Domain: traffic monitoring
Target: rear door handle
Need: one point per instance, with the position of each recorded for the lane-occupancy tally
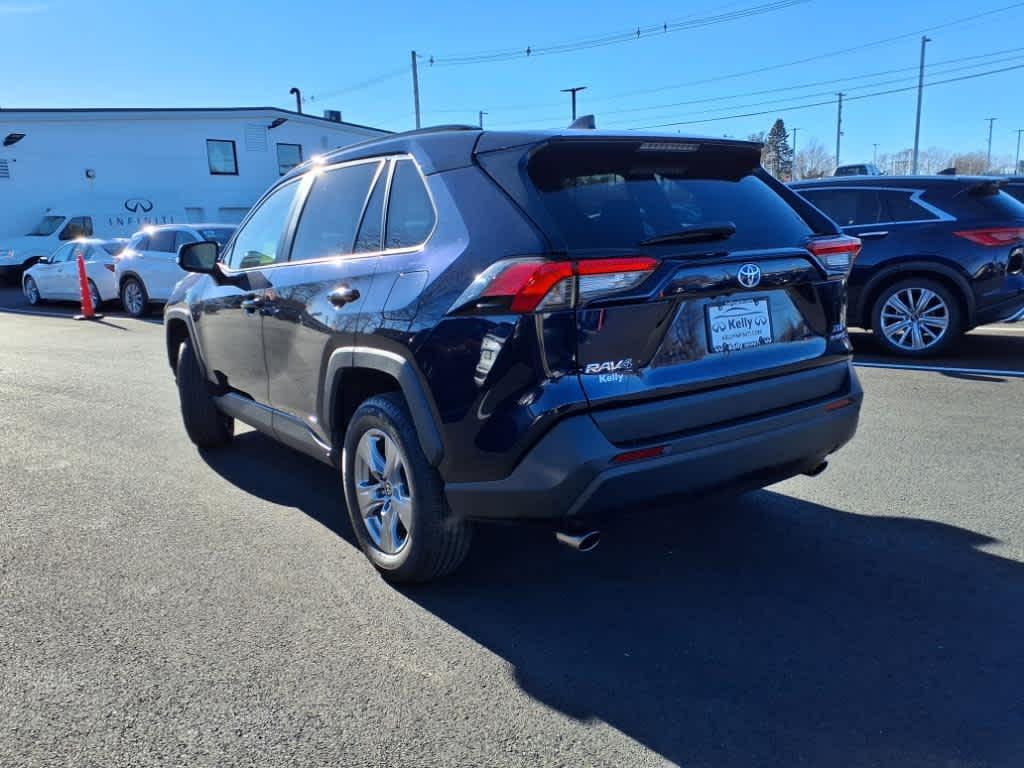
(873, 235)
(251, 303)
(343, 296)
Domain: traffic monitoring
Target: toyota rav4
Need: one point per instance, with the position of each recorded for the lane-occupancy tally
(482, 325)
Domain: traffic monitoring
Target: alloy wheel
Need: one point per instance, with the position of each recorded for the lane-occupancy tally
(383, 491)
(31, 291)
(915, 318)
(133, 297)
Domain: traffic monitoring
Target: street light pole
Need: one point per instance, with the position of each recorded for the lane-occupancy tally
(792, 166)
(920, 94)
(988, 158)
(415, 88)
(574, 91)
(481, 118)
(874, 156)
(1016, 165)
(839, 127)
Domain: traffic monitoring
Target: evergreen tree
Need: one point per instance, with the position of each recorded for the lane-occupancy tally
(778, 155)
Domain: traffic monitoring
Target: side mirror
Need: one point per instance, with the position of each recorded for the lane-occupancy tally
(199, 257)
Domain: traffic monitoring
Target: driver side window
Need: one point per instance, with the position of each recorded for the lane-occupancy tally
(258, 242)
(61, 254)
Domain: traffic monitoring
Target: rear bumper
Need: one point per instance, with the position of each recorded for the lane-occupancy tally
(1006, 309)
(571, 472)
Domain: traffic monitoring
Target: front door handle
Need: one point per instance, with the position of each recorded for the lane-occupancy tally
(873, 235)
(343, 296)
(251, 303)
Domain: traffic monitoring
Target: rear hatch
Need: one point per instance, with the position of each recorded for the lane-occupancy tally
(725, 290)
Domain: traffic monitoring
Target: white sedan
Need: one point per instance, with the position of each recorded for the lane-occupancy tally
(56, 277)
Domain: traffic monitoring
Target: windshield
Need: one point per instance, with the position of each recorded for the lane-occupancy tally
(220, 235)
(47, 226)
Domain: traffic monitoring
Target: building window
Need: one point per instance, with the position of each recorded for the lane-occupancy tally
(288, 156)
(222, 157)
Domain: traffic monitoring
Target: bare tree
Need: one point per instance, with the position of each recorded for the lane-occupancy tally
(970, 162)
(812, 161)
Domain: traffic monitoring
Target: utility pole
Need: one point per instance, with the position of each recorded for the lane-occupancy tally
(988, 159)
(480, 117)
(1016, 165)
(839, 127)
(874, 156)
(416, 88)
(792, 167)
(920, 94)
(573, 91)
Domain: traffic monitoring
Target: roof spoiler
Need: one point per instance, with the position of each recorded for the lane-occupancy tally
(586, 122)
(986, 188)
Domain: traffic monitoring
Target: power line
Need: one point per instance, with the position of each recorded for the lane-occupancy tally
(875, 84)
(832, 101)
(817, 57)
(359, 86)
(636, 33)
(992, 58)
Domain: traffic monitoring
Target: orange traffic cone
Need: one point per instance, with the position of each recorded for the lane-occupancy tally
(88, 310)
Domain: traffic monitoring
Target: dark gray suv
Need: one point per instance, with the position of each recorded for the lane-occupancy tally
(477, 325)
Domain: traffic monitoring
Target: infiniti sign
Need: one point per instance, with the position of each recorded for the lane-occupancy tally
(136, 204)
(749, 275)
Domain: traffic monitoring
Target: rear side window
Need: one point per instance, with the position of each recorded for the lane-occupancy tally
(897, 205)
(140, 243)
(162, 240)
(183, 238)
(617, 194)
(840, 205)
(370, 231)
(327, 226)
(410, 212)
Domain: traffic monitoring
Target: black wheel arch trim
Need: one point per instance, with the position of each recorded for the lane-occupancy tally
(124, 276)
(893, 271)
(404, 372)
(185, 316)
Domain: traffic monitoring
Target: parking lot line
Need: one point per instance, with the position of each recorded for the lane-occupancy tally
(944, 369)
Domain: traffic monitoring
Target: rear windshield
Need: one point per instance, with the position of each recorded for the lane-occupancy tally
(219, 235)
(615, 195)
(962, 202)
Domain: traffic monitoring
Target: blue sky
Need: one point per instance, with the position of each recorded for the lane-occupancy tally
(235, 53)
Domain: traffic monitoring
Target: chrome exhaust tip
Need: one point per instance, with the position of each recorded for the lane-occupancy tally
(582, 542)
(817, 470)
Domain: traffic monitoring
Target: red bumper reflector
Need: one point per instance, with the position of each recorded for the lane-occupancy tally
(837, 404)
(643, 453)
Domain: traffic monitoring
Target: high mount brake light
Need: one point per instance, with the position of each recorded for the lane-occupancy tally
(836, 254)
(993, 236)
(531, 284)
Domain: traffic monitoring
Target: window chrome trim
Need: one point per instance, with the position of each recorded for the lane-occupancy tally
(915, 197)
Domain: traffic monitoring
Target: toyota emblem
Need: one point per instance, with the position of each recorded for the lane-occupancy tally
(749, 275)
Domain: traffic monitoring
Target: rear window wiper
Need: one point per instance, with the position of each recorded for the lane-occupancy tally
(702, 234)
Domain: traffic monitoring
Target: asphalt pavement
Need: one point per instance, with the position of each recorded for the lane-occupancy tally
(159, 606)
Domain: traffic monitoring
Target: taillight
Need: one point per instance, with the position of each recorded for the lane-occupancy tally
(109, 267)
(992, 236)
(836, 254)
(534, 284)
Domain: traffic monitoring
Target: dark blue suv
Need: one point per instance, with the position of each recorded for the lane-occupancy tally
(474, 325)
(941, 255)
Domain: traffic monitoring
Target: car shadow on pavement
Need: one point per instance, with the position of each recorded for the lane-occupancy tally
(983, 348)
(766, 630)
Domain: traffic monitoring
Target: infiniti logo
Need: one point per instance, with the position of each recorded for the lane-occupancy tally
(136, 204)
(749, 275)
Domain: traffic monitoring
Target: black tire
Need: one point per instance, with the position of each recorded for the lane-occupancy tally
(953, 313)
(206, 426)
(94, 293)
(436, 543)
(33, 296)
(134, 308)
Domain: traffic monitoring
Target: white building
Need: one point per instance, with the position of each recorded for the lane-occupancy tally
(123, 168)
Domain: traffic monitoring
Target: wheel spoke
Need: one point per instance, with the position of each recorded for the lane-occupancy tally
(368, 496)
(370, 453)
(918, 340)
(924, 298)
(403, 509)
(392, 461)
(388, 528)
(899, 304)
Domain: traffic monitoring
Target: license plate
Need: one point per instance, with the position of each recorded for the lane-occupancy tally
(740, 324)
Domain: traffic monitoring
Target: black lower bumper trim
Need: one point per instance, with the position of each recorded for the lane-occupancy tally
(570, 472)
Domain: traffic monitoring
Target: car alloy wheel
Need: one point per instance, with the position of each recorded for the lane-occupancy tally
(94, 294)
(383, 491)
(31, 291)
(133, 298)
(915, 319)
